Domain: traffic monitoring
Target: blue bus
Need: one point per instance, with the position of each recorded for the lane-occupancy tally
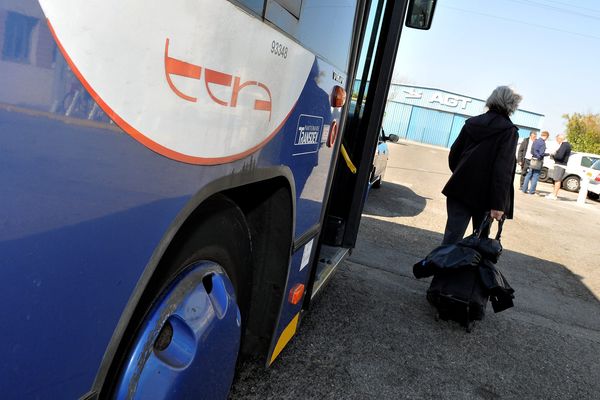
(178, 181)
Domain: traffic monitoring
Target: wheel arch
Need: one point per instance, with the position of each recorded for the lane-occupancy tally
(255, 194)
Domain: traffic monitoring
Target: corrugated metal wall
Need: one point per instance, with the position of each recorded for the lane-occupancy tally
(396, 119)
(429, 126)
(524, 132)
(527, 119)
(457, 124)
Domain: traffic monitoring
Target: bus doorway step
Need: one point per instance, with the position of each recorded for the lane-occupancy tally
(330, 258)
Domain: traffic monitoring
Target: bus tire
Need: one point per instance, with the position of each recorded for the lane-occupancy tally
(191, 332)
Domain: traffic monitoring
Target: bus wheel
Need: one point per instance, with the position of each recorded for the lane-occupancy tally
(188, 342)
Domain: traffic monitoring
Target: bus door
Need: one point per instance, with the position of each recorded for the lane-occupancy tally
(375, 54)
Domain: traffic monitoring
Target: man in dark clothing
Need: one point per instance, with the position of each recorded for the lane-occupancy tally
(561, 157)
(524, 154)
(483, 164)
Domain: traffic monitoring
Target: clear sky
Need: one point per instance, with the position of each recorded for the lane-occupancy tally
(548, 50)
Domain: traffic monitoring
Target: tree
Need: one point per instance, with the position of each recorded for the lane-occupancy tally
(583, 132)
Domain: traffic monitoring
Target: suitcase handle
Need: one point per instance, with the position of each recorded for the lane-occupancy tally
(487, 223)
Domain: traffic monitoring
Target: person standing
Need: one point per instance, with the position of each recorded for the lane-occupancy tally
(524, 155)
(538, 152)
(483, 164)
(561, 157)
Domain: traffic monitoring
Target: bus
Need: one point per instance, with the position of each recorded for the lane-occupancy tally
(178, 182)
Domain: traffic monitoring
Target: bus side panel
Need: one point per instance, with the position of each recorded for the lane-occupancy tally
(290, 311)
(311, 171)
(305, 144)
(84, 205)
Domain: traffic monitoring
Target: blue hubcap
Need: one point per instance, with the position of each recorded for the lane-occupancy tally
(189, 342)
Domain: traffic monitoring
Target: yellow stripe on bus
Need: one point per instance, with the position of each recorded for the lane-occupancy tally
(285, 337)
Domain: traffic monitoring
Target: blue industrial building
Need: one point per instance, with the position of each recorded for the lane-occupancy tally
(436, 116)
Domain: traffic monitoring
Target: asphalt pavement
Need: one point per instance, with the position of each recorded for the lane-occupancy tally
(372, 334)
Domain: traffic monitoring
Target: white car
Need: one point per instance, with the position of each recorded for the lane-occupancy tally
(578, 166)
(594, 181)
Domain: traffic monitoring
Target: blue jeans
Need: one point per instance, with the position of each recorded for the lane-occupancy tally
(533, 175)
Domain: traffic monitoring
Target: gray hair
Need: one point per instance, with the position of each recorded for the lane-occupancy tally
(504, 99)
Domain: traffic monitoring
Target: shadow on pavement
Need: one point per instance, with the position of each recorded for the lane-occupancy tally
(372, 334)
(393, 200)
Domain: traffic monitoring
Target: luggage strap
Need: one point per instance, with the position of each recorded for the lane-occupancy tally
(487, 223)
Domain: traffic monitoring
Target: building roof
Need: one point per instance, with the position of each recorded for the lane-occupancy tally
(443, 100)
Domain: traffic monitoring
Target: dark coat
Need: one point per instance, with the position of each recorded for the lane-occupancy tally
(483, 163)
(522, 151)
(563, 153)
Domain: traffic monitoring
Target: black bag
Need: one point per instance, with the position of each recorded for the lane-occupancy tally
(536, 164)
(467, 252)
(490, 249)
(459, 295)
(446, 256)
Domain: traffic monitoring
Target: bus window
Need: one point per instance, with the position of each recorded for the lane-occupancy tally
(293, 6)
(255, 5)
(366, 58)
(17, 37)
(324, 27)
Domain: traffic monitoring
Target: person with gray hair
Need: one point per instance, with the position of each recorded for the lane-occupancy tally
(504, 100)
(483, 164)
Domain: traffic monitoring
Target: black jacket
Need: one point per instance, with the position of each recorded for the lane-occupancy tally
(522, 151)
(563, 153)
(482, 161)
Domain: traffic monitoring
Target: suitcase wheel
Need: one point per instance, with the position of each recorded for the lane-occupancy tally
(469, 326)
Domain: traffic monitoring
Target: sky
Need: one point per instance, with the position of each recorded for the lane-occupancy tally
(547, 50)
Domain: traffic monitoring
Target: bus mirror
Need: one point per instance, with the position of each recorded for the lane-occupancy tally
(420, 14)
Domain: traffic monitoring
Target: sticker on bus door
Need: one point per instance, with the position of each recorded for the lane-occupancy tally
(194, 81)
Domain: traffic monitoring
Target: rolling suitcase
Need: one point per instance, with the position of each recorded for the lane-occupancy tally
(459, 295)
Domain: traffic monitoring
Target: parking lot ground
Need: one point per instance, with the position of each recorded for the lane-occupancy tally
(372, 334)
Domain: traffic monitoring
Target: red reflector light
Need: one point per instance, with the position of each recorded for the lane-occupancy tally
(338, 97)
(296, 293)
(597, 178)
(333, 131)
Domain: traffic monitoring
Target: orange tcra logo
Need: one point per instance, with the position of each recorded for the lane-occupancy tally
(174, 66)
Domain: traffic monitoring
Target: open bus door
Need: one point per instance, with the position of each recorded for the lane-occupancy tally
(374, 55)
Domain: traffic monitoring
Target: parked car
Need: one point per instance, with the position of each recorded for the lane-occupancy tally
(579, 164)
(381, 158)
(594, 181)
